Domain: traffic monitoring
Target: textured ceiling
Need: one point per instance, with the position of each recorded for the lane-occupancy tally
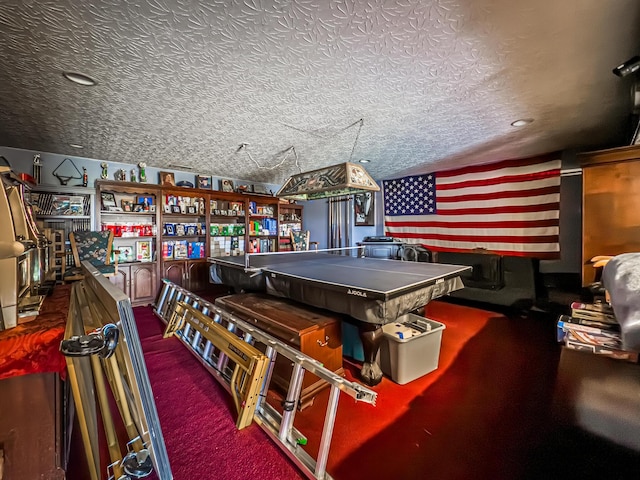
(436, 82)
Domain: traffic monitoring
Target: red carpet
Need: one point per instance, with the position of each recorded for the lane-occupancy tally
(480, 419)
(358, 422)
(198, 420)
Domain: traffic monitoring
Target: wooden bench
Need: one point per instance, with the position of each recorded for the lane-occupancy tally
(313, 331)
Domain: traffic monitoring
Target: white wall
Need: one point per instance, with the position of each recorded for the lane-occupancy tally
(316, 211)
(21, 161)
(316, 220)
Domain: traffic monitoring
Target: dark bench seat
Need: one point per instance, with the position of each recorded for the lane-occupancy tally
(496, 279)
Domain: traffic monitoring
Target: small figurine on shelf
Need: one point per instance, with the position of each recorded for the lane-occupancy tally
(143, 174)
(37, 168)
(133, 175)
(121, 175)
(104, 174)
(85, 177)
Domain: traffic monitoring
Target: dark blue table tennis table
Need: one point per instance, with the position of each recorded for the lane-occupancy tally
(371, 290)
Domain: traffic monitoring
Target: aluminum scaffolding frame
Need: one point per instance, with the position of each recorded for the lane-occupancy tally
(278, 426)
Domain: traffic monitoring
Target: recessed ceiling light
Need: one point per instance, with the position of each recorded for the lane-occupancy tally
(76, 145)
(364, 160)
(79, 78)
(522, 122)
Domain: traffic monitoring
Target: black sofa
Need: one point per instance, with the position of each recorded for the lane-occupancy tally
(495, 279)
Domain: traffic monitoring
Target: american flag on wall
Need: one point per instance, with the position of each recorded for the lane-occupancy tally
(510, 207)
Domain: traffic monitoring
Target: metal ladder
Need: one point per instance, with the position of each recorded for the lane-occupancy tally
(278, 426)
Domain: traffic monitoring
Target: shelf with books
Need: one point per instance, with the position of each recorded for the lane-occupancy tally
(130, 210)
(263, 244)
(184, 236)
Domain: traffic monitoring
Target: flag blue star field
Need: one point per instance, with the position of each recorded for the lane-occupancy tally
(510, 207)
(415, 195)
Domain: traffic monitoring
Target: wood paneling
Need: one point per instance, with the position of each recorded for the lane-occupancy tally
(30, 427)
(610, 205)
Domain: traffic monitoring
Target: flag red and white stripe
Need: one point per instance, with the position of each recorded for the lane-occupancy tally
(510, 207)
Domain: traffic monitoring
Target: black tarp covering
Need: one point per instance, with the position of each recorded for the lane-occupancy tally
(368, 310)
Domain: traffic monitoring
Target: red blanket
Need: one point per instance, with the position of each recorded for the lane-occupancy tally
(33, 347)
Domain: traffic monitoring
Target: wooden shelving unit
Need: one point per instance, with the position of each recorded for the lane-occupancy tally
(135, 235)
(206, 223)
(610, 204)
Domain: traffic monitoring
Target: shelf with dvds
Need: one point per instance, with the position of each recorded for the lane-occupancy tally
(130, 210)
(262, 225)
(227, 225)
(183, 237)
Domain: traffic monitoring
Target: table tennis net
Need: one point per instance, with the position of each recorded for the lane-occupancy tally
(260, 260)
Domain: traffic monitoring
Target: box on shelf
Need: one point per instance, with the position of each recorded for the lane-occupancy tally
(410, 348)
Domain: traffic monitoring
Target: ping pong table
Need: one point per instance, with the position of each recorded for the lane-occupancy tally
(370, 290)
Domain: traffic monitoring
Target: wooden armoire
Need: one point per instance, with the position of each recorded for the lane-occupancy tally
(610, 204)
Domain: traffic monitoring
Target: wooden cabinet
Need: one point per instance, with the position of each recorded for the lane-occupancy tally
(197, 275)
(142, 284)
(190, 274)
(314, 332)
(138, 281)
(174, 272)
(610, 204)
(130, 210)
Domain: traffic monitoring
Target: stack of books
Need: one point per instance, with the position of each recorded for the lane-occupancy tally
(593, 327)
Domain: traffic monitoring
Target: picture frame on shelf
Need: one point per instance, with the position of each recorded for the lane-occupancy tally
(175, 209)
(364, 209)
(144, 199)
(126, 206)
(204, 181)
(167, 179)
(170, 228)
(143, 251)
(60, 205)
(168, 208)
(139, 208)
(108, 200)
(226, 185)
(76, 205)
(192, 209)
(126, 254)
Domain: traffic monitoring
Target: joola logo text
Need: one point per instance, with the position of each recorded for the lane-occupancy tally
(356, 292)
